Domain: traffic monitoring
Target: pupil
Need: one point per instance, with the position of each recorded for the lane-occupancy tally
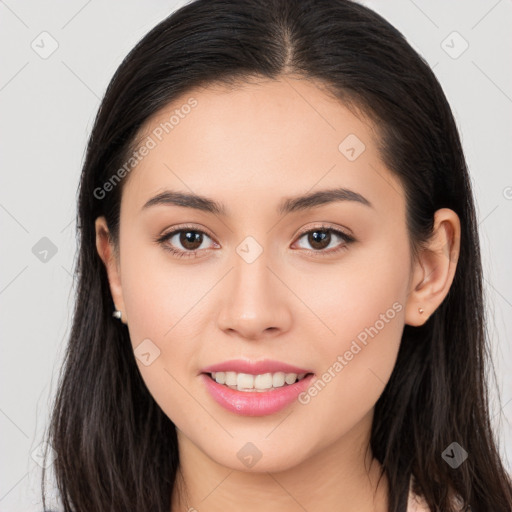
(190, 242)
(318, 239)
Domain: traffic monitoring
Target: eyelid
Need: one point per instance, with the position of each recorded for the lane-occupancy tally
(345, 231)
(184, 227)
(327, 227)
(338, 231)
(346, 240)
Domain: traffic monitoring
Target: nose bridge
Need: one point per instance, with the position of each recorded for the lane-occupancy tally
(253, 302)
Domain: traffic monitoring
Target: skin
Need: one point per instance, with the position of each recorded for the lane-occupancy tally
(249, 148)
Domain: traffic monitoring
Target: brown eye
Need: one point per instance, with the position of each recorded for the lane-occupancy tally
(184, 242)
(319, 239)
(190, 240)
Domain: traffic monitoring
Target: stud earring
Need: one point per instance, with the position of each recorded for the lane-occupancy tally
(420, 310)
(117, 314)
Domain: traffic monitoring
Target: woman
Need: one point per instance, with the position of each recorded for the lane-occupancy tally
(276, 209)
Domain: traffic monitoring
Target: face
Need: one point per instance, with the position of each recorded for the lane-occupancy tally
(320, 285)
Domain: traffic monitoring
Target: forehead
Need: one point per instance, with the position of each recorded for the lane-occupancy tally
(279, 137)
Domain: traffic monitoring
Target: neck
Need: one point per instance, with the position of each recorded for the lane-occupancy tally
(342, 476)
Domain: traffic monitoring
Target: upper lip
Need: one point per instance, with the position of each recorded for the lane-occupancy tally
(254, 367)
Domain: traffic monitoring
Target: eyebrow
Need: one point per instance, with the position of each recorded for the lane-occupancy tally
(288, 205)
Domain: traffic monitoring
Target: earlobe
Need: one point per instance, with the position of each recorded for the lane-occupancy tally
(105, 250)
(435, 269)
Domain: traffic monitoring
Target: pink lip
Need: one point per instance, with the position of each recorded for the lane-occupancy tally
(254, 403)
(254, 367)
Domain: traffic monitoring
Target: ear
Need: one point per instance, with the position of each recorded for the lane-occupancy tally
(105, 248)
(435, 268)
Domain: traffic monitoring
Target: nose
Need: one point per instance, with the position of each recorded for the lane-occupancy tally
(255, 301)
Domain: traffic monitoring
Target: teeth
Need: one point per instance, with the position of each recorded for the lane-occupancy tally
(278, 379)
(248, 382)
(220, 377)
(264, 381)
(230, 378)
(244, 380)
(290, 378)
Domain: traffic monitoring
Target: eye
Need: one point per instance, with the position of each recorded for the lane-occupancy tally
(320, 238)
(190, 238)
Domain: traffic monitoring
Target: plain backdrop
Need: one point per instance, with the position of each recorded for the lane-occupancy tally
(57, 59)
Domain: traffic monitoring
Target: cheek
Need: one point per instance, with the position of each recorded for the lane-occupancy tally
(354, 364)
(166, 317)
(365, 289)
(164, 339)
(362, 311)
(162, 299)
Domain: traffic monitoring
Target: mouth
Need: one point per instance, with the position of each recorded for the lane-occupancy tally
(255, 394)
(249, 383)
(255, 388)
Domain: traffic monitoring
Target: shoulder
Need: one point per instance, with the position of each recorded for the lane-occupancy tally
(416, 503)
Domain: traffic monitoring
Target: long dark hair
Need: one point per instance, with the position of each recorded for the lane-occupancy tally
(116, 449)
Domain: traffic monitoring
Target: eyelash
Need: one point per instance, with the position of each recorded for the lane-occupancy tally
(348, 239)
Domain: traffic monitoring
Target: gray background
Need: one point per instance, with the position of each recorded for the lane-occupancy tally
(48, 106)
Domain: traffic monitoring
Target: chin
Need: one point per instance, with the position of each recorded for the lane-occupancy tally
(258, 457)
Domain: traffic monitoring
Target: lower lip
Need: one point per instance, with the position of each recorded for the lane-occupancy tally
(255, 403)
